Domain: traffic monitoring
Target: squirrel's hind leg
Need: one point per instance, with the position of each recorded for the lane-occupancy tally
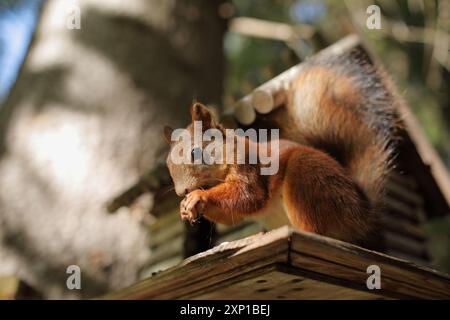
(321, 198)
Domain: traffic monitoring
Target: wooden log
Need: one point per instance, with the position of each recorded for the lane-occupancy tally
(403, 179)
(402, 226)
(262, 101)
(244, 112)
(406, 194)
(422, 216)
(272, 94)
(399, 208)
(406, 245)
(267, 98)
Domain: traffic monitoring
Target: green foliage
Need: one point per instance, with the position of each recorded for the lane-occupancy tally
(274, 10)
(251, 62)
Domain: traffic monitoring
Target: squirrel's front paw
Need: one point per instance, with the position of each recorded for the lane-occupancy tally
(193, 205)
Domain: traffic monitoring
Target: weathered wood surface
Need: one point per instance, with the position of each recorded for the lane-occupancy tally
(280, 282)
(288, 264)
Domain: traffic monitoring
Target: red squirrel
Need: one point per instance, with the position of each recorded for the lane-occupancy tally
(338, 126)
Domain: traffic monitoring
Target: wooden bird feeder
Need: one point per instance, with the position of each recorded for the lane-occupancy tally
(290, 264)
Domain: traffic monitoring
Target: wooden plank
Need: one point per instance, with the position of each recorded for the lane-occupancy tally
(404, 193)
(405, 273)
(221, 289)
(401, 209)
(224, 261)
(310, 256)
(406, 245)
(353, 277)
(275, 282)
(421, 215)
(406, 180)
(403, 227)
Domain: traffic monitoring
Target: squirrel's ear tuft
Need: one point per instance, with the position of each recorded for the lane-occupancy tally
(168, 134)
(201, 113)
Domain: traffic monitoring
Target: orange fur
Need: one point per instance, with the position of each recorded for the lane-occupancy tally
(333, 158)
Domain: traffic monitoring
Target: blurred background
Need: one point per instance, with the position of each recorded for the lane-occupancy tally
(82, 109)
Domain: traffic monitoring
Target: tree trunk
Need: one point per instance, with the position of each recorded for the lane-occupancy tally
(84, 120)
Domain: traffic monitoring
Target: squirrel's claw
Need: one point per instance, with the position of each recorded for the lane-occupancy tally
(192, 206)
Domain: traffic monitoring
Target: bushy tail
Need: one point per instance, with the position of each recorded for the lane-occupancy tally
(378, 106)
(346, 107)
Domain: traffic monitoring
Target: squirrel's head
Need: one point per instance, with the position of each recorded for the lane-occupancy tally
(189, 166)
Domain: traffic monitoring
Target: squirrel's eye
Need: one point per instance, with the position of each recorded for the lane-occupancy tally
(196, 154)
